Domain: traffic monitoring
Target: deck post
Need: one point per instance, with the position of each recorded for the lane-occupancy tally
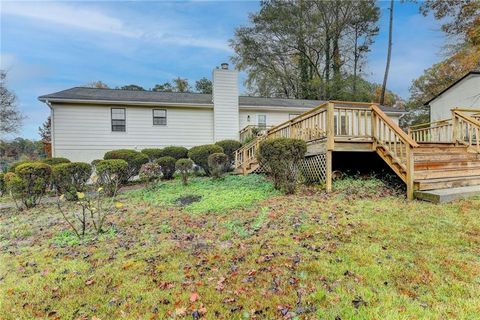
(454, 128)
(410, 172)
(330, 145)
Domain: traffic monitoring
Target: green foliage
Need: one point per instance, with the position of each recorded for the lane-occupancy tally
(55, 161)
(152, 153)
(204, 86)
(133, 158)
(14, 165)
(174, 152)
(70, 178)
(281, 156)
(150, 173)
(200, 154)
(2, 183)
(184, 166)
(217, 162)
(229, 147)
(29, 183)
(110, 174)
(95, 162)
(167, 166)
(218, 196)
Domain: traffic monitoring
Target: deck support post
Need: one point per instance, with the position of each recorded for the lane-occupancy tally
(330, 145)
(410, 172)
(454, 128)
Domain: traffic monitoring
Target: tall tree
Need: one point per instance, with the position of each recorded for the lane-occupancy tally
(204, 85)
(165, 87)
(181, 85)
(389, 54)
(10, 116)
(45, 131)
(97, 84)
(132, 87)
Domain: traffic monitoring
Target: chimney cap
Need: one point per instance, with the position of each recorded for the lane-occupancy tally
(224, 66)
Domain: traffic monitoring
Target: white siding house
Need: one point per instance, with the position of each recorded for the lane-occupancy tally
(464, 93)
(87, 122)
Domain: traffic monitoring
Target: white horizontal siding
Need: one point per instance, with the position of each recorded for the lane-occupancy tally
(225, 101)
(83, 133)
(273, 117)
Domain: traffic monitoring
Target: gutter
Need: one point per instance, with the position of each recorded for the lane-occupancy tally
(134, 103)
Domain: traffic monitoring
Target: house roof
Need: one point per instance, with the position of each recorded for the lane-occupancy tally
(451, 85)
(83, 94)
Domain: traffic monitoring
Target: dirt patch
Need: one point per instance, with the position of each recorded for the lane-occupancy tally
(186, 200)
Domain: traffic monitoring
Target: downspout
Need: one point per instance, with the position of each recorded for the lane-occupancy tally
(52, 127)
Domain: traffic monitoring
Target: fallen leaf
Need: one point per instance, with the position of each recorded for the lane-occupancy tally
(194, 297)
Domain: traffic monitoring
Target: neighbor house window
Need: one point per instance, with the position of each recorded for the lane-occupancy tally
(159, 117)
(262, 121)
(118, 119)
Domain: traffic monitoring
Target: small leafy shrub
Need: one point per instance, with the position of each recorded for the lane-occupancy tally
(134, 159)
(229, 147)
(184, 166)
(14, 165)
(110, 174)
(55, 161)
(29, 183)
(167, 166)
(150, 173)
(217, 162)
(174, 152)
(70, 178)
(2, 183)
(95, 162)
(200, 154)
(281, 156)
(89, 212)
(152, 153)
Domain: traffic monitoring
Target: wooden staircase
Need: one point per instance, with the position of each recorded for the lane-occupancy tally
(438, 155)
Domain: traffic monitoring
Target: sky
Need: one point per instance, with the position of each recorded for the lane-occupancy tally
(52, 46)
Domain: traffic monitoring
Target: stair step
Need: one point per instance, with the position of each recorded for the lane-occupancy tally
(435, 144)
(461, 149)
(447, 195)
(445, 156)
(444, 183)
(434, 165)
(446, 173)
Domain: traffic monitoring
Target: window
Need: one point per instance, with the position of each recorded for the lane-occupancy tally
(159, 117)
(118, 119)
(262, 121)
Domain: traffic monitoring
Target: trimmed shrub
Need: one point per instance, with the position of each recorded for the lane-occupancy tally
(229, 147)
(133, 158)
(174, 152)
(14, 165)
(70, 178)
(111, 173)
(184, 166)
(152, 153)
(149, 173)
(217, 162)
(2, 183)
(167, 166)
(281, 156)
(29, 183)
(95, 162)
(200, 154)
(55, 161)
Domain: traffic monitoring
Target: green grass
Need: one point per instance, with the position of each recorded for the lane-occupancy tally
(219, 196)
(362, 252)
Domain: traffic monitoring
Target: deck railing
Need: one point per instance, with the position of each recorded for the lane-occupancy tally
(252, 131)
(466, 128)
(437, 131)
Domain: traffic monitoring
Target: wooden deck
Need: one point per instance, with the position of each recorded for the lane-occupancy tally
(437, 155)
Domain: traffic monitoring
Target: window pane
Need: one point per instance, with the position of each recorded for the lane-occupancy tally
(118, 114)
(159, 117)
(262, 120)
(159, 113)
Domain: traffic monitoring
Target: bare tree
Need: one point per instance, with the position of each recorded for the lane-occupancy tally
(384, 86)
(10, 117)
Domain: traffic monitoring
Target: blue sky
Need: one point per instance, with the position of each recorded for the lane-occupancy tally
(51, 46)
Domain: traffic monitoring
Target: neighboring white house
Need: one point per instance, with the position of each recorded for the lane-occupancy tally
(463, 93)
(87, 122)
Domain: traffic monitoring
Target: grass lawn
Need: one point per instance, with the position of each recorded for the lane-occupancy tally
(244, 251)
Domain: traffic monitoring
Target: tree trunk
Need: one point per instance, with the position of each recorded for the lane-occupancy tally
(384, 87)
(355, 66)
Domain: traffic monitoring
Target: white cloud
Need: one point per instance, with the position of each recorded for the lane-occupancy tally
(92, 19)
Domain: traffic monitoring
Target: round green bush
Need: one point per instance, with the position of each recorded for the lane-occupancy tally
(229, 147)
(149, 173)
(153, 153)
(55, 161)
(167, 166)
(70, 178)
(111, 174)
(184, 166)
(281, 156)
(200, 154)
(29, 183)
(174, 152)
(14, 165)
(217, 162)
(133, 158)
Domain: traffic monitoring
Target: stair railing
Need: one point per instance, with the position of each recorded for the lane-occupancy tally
(396, 144)
(436, 131)
(466, 129)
